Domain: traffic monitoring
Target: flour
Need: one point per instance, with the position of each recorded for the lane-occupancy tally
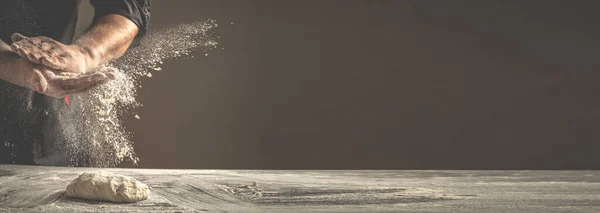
(107, 187)
(98, 137)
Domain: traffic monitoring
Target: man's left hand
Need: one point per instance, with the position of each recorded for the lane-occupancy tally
(62, 85)
(51, 53)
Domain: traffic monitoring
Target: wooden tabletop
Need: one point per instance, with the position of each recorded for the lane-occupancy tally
(41, 189)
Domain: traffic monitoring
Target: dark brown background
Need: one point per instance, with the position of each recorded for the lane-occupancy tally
(348, 84)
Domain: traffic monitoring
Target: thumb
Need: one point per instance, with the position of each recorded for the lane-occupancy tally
(38, 82)
(110, 72)
(17, 37)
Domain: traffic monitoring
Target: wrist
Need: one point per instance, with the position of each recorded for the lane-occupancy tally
(21, 72)
(91, 57)
(9, 63)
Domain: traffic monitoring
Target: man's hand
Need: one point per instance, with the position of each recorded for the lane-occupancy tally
(46, 81)
(61, 85)
(21, 72)
(51, 53)
(107, 39)
(61, 69)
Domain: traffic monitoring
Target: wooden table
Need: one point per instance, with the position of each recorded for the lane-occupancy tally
(41, 189)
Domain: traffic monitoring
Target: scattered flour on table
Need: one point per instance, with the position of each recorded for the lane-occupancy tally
(100, 139)
(107, 187)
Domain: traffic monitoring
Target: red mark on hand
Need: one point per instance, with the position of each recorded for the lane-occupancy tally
(67, 101)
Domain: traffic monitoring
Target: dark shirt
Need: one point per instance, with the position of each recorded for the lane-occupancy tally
(29, 125)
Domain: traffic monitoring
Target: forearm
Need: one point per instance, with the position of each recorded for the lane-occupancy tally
(18, 71)
(7, 58)
(108, 38)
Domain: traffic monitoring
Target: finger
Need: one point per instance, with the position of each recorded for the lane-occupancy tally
(23, 52)
(25, 49)
(52, 75)
(81, 83)
(37, 43)
(35, 40)
(110, 72)
(49, 74)
(41, 55)
(17, 37)
(15, 46)
(51, 62)
(39, 83)
(61, 63)
(34, 57)
(45, 46)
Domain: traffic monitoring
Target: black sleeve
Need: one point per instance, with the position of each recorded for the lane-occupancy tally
(138, 11)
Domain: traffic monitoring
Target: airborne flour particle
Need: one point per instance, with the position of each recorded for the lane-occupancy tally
(100, 139)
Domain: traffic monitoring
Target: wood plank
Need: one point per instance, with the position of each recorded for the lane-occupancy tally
(41, 189)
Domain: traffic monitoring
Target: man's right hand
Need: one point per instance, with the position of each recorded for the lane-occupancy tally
(22, 72)
(54, 54)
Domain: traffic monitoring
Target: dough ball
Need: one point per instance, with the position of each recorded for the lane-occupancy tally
(107, 187)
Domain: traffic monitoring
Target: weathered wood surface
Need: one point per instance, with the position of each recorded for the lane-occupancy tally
(41, 189)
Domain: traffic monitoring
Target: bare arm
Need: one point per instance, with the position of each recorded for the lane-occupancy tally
(12, 70)
(107, 39)
(20, 71)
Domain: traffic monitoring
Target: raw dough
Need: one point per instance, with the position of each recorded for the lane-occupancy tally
(107, 187)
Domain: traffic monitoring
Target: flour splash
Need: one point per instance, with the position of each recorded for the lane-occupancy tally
(100, 139)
